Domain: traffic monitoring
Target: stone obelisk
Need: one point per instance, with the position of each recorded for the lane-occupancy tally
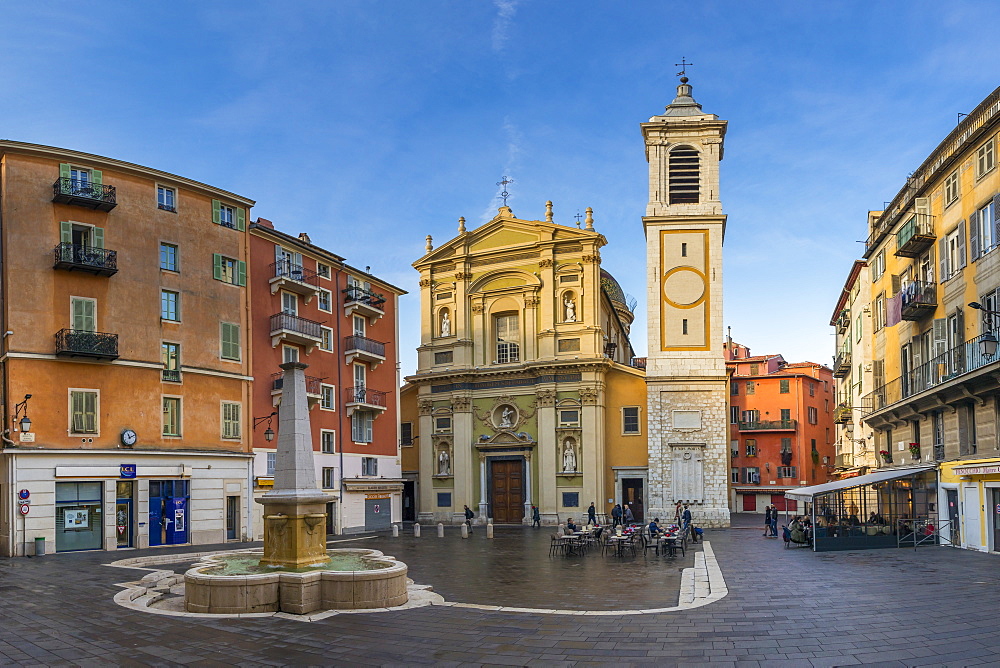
(295, 509)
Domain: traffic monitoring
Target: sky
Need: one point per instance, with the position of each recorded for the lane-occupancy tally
(370, 125)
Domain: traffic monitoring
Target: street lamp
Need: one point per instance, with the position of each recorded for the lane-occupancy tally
(268, 433)
(988, 342)
(25, 423)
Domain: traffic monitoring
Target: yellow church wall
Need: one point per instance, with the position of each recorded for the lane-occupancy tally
(624, 387)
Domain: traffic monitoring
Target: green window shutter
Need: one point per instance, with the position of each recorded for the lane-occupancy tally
(216, 212)
(96, 178)
(64, 170)
(242, 275)
(83, 315)
(98, 237)
(230, 341)
(66, 232)
(217, 266)
(241, 219)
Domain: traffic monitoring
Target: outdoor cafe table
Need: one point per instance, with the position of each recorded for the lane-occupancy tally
(620, 543)
(572, 540)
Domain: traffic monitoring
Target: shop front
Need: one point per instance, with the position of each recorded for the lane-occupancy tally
(371, 505)
(970, 490)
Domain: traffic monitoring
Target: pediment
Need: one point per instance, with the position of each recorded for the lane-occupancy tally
(503, 238)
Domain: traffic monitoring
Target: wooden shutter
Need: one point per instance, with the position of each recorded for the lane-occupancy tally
(930, 265)
(97, 237)
(896, 284)
(230, 341)
(216, 212)
(943, 258)
(939, 337)
(974, 235)
(996, 218)
(96, 179)
(241, 219)
(64, 170)
(66, 232)
(241, 273)
(217, 266)
(84, 316)
(961, 246)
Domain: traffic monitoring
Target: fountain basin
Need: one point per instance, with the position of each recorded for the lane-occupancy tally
(381, 583)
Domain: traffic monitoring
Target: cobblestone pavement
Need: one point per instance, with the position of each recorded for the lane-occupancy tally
(933, 606)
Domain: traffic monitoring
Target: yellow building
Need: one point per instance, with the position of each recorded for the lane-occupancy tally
(525, 392)
(934, 268)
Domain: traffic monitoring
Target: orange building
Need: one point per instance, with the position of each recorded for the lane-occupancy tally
(125, 316)
(781, 427)
(309, 306)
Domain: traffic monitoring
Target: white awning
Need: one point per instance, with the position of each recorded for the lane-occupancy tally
(807, 493)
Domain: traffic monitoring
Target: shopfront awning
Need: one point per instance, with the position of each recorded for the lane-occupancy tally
(808, 493)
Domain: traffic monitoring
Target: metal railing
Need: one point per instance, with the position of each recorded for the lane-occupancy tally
(356, 293)
(962, 359)
(917, 295)
(364, 395)
(844, 461)
(67, 189)
(638, 363)
(767, 425)
(842, 363)
(294, 323)
(86, 344)
(292, 271)
(915, 235)
(86, 256)
(364, 344)
(314, 385)
(171, 375)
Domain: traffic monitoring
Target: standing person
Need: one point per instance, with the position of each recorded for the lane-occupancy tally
(677, 514)
(629, 517)
(767, 521)
(536, 518)
(774, 521)
(592, 514)
(616, 516)
(468, 518)
(686, 517)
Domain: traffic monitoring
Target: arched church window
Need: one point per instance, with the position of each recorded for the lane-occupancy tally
(684, 175)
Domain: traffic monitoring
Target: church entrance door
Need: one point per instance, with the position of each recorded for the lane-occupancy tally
(507, 490)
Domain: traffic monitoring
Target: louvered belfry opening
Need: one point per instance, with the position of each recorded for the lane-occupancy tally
(684, 176)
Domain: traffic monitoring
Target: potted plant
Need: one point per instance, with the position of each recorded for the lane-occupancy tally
(886, 456)
(915, 450)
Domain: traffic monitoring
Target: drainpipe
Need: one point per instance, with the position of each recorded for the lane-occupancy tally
(339, 525)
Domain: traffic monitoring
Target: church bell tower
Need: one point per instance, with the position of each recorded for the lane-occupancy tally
(685, 370)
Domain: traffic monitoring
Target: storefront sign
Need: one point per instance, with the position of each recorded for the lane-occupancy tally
(378, 496)
(127, 471)
(976, 470)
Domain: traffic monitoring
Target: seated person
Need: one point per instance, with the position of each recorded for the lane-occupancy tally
(570, 526)
(654, 527)
(853, 520)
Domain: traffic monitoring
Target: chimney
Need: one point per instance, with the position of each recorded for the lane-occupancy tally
(304, 237)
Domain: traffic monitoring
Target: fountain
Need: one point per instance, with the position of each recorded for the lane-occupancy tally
(294, 572)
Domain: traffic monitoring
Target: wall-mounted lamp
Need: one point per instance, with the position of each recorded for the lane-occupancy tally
(25, 423)
(268, 433)
(988, 341)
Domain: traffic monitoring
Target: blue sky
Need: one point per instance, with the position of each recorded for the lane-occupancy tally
(372, 124)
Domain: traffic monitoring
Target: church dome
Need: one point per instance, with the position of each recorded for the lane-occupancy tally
(612, 288)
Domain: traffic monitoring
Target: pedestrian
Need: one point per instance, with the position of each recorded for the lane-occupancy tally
(616, 515)
(629, 517)
(536, 518)
(592, 514)
(774, 521)
(677, 514)
(686, 516)
(767, 521)
(468, 518)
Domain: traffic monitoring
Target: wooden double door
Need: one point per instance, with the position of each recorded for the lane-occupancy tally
(507, 490)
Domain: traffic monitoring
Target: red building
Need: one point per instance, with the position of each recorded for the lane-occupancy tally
(781, 427)
(309, 306)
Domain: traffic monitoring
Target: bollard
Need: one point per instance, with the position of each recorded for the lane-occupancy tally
(465, 531)
(489, 531)
(440, 530)
(395, 531)
(416, 530)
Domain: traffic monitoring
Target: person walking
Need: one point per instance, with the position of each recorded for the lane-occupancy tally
(468, 518)
(686, 517)
(767, 521)
(774, 521)
(592, 514)
(629, 516)
(536, 518)
(616, 515)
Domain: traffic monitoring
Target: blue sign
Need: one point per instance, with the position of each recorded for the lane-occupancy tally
(127, 471)
(23, 494)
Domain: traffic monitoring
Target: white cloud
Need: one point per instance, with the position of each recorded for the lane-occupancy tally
(501, 25)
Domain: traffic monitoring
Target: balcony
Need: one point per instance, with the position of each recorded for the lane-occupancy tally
(918, 300)
(77, 343)
(915, 236)
(843, 321)
(638, 363)
(289, 328)
(362, 398)
(295, 278)
(842, 414)
(171, 375)
(768, 425)
(314, 389)
(361, 301)
(97, 261)
(359, 348)
(84, 193)
(842, 364)
(844, 461)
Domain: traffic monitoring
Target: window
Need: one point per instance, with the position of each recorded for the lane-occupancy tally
(165, 198)
(327, 400)
(967, 429)
(786, 445)
(953, 252)
(951, 188)
(812, 389)
(982, 226)
(569, 418)
(734, 388)
(985, 158)
(361, 426)
(329, 477)
(786, 414)
(323, 270)
(783, 386)
(630, 419)
(83, 412)
(878, 265)
(751, 447)
(937, 418)
(231, 419)
(406, 433)
(734, 447)
(369, 466)
(752, 415)
(360, 325)
(734, 476)
(83, 312)
(171, 416)
(786, 471)
(229, 339)
(442, 425)
(228, 216)
(751, 387)
(508, 334)
(751, 475)
(168, 257)
(326, 339)
(813, 415)
(289, 303)
(327, 441)
(685, 178)
(171, 357)
(228, 270)
(325, 300)
(754, 369)
(272, 458)
(734, 414)
(289, 354)
(879, 312)
(571, 499)
(170, 305)
(857, 329)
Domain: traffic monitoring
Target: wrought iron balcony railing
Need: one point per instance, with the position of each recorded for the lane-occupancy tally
(313, 384)
(364, 344)
(842, 414)
(77, 343)
(842, 364)
(638, 363)
(918, 300)
(294, 272)
(293, 323)
(84, 193)
(915, 236)
(356, 293)
(364, 395)
(171, 375)
(768, 425)
(74, 257)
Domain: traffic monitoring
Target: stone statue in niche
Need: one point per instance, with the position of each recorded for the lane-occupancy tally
(445, 323)
(506, 418)
(444, 463)
(570, 304)
(569, 455)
